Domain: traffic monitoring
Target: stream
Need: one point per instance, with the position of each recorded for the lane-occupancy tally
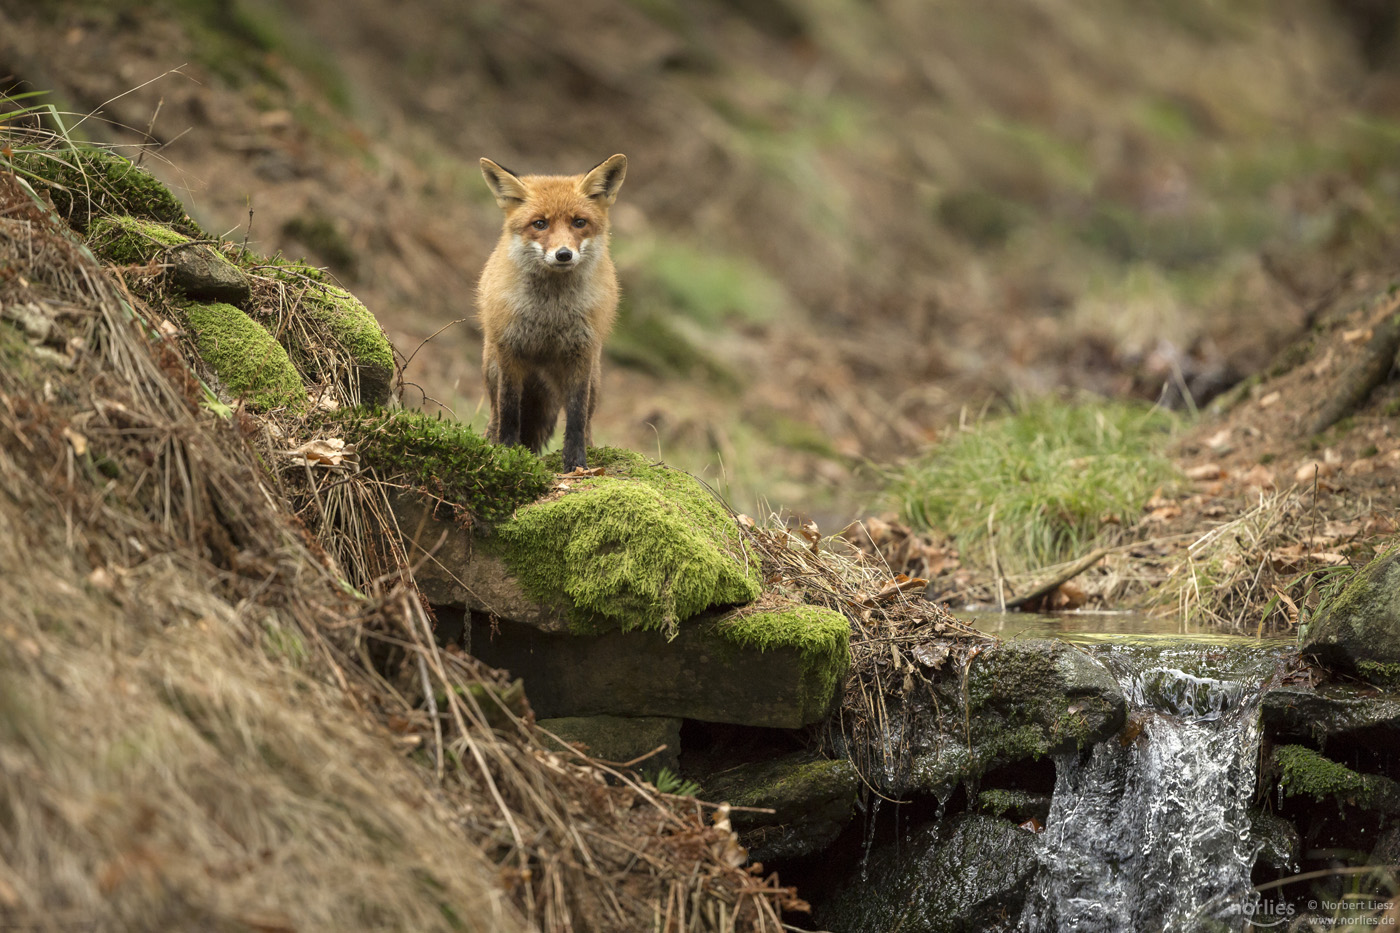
(1154, 833)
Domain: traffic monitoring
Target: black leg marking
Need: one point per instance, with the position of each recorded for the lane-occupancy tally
(508, 412)
(576, 426)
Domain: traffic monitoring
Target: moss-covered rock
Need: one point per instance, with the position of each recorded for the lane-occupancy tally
(821, 638)
(447, 459)
(966, 874)
(1304, 771)
(1350, 712)
(1360, 631)
(812, 800)
(249, 363)
(197, 270)
(86, 183)
(1276, 839)
(364, 358)
(641, 547)
(1018, 805)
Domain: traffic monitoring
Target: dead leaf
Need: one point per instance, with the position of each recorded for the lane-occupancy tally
(1163, 513)
(331, 452)
(1270, 399)
(931, 656)
(1313, 469)
(585, 471)
(745, 521)
(78, 442)
(1219, 442)
(1258, 476)
(1204, 472)
(1357, 335)
(1068, 595)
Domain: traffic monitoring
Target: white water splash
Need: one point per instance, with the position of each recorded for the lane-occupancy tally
(1154, 835)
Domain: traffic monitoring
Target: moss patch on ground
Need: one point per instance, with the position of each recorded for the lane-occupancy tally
(641, 547)
(448, 459)
(87, 182)
(338, 319)
(1304, 771)
(126, 240)
(821, 637)
(248, 360)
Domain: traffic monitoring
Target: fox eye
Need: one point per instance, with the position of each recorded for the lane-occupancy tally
(540, 224)
(580, 222)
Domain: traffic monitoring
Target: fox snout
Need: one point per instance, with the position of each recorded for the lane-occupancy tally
(562, 257)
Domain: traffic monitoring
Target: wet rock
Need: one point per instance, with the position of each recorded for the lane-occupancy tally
(1304, 771)
(620, 739)
(967, 873)
(812, 799)
(1277, 840)
(204, 275)
(1023, 700)
(1338, 711)
(1360, 631)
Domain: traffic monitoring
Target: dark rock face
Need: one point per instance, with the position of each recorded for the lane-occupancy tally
(204, 275)
(964, 874)
(1339, 711)
(1360, 632)
(696, 675)
(621, 739)
(812, 799)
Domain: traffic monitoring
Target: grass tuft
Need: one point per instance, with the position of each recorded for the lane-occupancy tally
(1036, 487)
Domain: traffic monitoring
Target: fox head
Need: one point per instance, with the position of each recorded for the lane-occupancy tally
(556, 223)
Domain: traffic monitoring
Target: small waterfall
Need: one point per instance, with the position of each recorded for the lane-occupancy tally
(1153, 833)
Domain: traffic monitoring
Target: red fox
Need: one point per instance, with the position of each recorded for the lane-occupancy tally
(546, 301)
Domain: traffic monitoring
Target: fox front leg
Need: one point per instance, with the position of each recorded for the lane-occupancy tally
(508, 392)
(576, 412)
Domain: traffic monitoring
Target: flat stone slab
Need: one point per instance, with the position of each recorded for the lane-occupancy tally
(812, 798)
(698, 675)
(1306, 713)
(621, 739)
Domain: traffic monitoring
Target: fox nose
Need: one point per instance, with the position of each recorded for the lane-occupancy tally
(563, 254)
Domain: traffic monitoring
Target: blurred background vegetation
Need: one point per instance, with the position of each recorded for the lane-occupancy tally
(845, 223)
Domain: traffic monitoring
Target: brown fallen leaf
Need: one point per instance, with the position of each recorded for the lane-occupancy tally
(1068, 595)
(931, 656)
(902, 583)
(1204, 472)
(330, 452)
(585, 471)
(1258, 476)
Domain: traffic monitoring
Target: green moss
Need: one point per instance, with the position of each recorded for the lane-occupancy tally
(127, 240)
(642, 547)
(250, 363)
(448, 458)
(1304, 771)
(342, 321)
(821, 637)
(1018, 707)
(1383, 673)
(998, 801)
(86, 183)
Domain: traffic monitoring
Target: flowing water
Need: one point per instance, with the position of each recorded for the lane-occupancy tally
(1153, 833)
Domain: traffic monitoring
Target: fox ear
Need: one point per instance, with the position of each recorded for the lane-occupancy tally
(504, 184)
(604, 179)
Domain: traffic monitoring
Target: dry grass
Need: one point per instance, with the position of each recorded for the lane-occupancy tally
(203, 726)
(897, 636)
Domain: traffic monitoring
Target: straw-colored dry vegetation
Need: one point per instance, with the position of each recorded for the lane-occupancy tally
(210, 721)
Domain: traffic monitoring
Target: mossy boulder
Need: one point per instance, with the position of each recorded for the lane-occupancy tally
(197, 270)
(345, 345)
(1360, 631)
(86, 183)
(249, 363)
(812, 800)
(641, 547)
(464, 475)
(969, 873)
(1304, 771)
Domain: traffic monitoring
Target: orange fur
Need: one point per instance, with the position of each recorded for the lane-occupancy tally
(546, 301)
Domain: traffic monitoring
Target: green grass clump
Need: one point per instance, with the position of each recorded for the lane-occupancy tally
(1042, 479)
(821, 637)
(641, 547)
(448, 458)
(248, 360)
(87, 182)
